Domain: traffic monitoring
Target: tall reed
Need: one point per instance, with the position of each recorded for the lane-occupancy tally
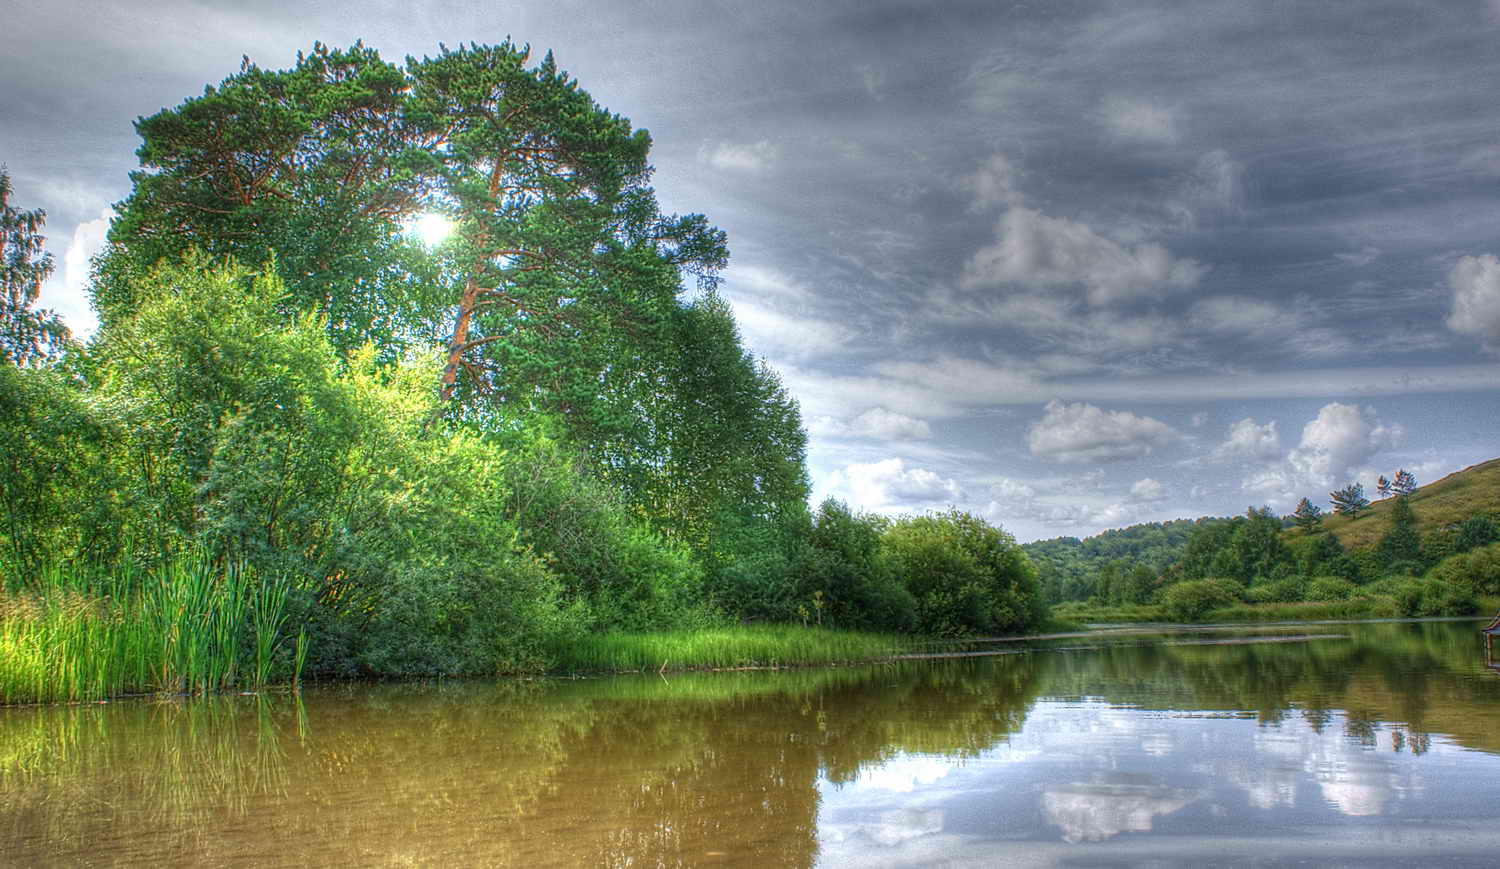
(71, 633)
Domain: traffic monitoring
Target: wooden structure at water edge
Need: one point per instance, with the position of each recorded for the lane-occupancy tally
(1489, 641)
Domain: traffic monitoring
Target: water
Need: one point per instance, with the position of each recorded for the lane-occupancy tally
(1333, 745)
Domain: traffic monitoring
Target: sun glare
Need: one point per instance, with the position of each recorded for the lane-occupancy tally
(430, 229)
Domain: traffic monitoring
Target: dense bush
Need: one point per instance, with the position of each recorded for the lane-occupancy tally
(1276, 591)
(966, 576)
(846, 578)
(1192, 600)
(1417, 598)
(614, 569)
(1329, 588)
(1477, 570)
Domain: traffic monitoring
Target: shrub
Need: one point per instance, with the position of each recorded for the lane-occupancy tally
(1329, 588)
(1477, 570)
(1194, 599)
(966, 576)
(1277, 591)
(848, 577)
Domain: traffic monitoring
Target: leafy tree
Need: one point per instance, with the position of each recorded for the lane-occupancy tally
(1401, 543)
(1350, 501)
(558, 293)
(60, 479)
(967, 576)
(319, 163)
(262, 445)
(1403, 484)
(1383, 487)
(27, 335)
(851, 577)
(1308, 516)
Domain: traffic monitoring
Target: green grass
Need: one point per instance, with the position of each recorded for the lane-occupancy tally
(69, 634)
(1449, 501)
(721, 648)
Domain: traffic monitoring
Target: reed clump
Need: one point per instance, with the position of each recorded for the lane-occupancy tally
(189, 625)
(722, 648)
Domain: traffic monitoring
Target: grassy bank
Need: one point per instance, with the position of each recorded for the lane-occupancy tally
(69, 634)
(718, 648)
(1374, 607)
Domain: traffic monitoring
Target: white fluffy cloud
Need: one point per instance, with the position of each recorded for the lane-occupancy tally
(1033, 248)
(877, 423)
(1339, 439)
(1475, 281)
(752, 157)
(1139, 120)
(1248, 440)
(1334, 447)
(994, 183)
(889, 483)
(1084, 433)
(65, 292)
(1147, 489)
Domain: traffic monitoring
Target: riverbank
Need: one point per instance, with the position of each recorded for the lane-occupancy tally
(1357, 609)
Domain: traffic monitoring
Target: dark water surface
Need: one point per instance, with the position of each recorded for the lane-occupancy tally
(1332, 745)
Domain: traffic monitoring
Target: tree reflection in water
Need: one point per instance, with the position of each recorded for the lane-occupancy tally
(1068, 747)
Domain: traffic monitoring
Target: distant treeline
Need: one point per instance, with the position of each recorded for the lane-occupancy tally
(1190, 566)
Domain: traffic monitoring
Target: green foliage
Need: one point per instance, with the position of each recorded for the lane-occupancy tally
(844, 565)
(1476, 531)
(1350, 501)
(1069, 568)
(1329, 588)
(27, 335)
(1191, 600)
(613, 566)
(1309, 517)
(1401, 543)
(188, 625)
(1276, 591)
(61, 491)
(725, 647)
(1416, 598)
(967, 577)
(1478, 570)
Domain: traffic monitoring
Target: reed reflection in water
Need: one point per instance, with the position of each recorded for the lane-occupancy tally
(1376, 744)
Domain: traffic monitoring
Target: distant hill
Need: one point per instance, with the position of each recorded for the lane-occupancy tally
(1069, 568)
(1448, 501)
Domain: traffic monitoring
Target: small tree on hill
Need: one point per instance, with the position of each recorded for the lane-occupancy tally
(1308, 516)
(1383, 487)
(1350, 501)
(1401, 543)
(1404, 484)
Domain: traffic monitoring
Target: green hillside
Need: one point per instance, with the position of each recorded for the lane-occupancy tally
(1445, 503)
(1131, 564)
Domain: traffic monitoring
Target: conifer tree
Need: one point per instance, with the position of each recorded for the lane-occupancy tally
(1383, 487)
(1309, 516)
(1350, 501)
(1404, 483)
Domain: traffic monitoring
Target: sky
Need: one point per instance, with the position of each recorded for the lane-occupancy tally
(1066, 265)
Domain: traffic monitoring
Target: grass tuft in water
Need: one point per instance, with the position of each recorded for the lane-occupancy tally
(719, 648)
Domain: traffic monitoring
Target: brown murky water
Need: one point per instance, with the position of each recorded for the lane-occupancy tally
(1344, 745)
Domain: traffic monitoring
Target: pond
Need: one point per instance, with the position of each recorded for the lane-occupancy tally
(1328, 745)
